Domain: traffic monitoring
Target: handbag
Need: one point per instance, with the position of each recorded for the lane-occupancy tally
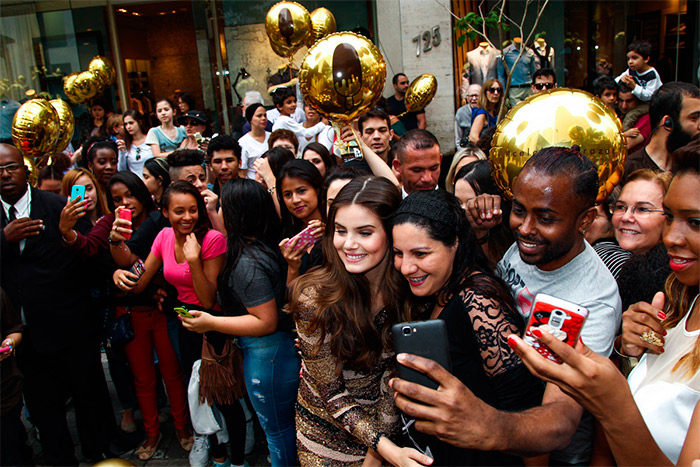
(121, 332)
(221, 375)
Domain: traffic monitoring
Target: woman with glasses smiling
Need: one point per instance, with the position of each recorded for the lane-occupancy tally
(638, 215)
(133, 150)
(485, 114)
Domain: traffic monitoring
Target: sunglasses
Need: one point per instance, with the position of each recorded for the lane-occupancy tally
(138, 153)
(495, 90)
(192, 123)
(541, 86)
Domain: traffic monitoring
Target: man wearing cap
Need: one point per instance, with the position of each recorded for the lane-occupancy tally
(195, 124)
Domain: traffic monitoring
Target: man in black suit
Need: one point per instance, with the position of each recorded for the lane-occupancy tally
(60, 353)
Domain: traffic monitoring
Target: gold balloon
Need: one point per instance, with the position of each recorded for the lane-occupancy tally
(35, 128)
(33, 174)
(87, 85)
(66, 124)
(322, 24)
(288, 25)
(103, 68)
(420, 92)
(115, 462)
(559, 117)
(342, 76)
(69, 87)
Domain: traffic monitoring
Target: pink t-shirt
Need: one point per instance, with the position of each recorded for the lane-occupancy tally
(178, 274)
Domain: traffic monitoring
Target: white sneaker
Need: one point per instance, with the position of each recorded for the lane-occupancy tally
(199, 455)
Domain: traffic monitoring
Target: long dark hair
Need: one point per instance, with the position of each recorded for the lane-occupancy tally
(303, 170)
(251, 224)
(277, 158)
(159, 168)
(343, 300)
(478, 175)
(203, 224)
(441, 216)
(137, 188)
(328, 160)
(140, 120)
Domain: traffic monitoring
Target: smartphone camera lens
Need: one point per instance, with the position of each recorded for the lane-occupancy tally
(406, 330)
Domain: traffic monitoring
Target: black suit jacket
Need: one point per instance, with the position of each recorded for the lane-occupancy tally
(43, 280)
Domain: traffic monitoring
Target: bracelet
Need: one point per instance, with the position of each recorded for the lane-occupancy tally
(113, 242)
(485, 238)
(270, 190)
(75, 238)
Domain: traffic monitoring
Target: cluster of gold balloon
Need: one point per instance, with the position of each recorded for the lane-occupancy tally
(342, 75)
(42, 127)
(559, 117)
(82, 86)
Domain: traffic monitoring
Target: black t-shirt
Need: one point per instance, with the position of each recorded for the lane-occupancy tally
(259, 276)
(477, 330)
(397, 107)
(639, 160)
(141, 241)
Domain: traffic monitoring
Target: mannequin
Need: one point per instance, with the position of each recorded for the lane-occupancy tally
(521, 79)
(482, 63)
(544, 53)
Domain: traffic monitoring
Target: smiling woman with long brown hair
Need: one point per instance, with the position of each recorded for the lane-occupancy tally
(344, 311)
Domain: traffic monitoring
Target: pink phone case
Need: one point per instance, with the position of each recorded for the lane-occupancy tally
(558, 317)
(305, 239)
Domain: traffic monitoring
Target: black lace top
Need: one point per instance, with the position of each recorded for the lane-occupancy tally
(478, 328)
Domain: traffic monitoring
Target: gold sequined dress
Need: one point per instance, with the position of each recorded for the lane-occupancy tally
(339, 417)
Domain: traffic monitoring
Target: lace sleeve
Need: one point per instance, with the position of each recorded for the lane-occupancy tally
(492, 324)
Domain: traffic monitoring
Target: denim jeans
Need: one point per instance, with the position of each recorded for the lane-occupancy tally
(271, 370)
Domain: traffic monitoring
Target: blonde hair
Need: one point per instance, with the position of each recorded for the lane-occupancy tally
(69, 180)
(483, 101)
(662, 179)
(469, 151)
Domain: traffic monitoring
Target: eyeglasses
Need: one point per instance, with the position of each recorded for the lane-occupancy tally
(11, 168)
(619, 209)
(541, 86)
(472, 96)
(495, 90)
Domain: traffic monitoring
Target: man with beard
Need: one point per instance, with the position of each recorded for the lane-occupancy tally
(553, 206)
(674, 112)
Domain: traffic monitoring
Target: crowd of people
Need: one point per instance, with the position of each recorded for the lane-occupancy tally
(263, 273)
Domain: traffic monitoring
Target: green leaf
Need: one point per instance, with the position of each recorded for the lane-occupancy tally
(460, 40)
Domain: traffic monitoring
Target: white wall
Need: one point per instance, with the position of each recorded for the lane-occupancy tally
(398, 22)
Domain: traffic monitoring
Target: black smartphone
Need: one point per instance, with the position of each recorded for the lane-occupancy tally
(426, 339)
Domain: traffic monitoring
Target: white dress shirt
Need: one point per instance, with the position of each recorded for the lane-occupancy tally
(23, 206)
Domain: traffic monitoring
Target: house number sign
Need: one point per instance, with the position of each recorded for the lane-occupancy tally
(427, 40)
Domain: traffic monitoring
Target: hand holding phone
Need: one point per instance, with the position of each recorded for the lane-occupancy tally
(5, 349)
(125, 214)
(138, 268)
(182, 311)
(77, 191)
(423, 338)
(562, 319)
(304, 239)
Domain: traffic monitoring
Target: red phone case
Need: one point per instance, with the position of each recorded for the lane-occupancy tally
(125, 214)
(566, 318)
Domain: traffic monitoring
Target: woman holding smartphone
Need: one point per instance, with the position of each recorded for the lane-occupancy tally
(252, 292)
(451, 279)
(299, 189)
(344, 311)
(191, 254)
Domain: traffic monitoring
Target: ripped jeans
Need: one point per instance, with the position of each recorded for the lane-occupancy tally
(271, 370)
